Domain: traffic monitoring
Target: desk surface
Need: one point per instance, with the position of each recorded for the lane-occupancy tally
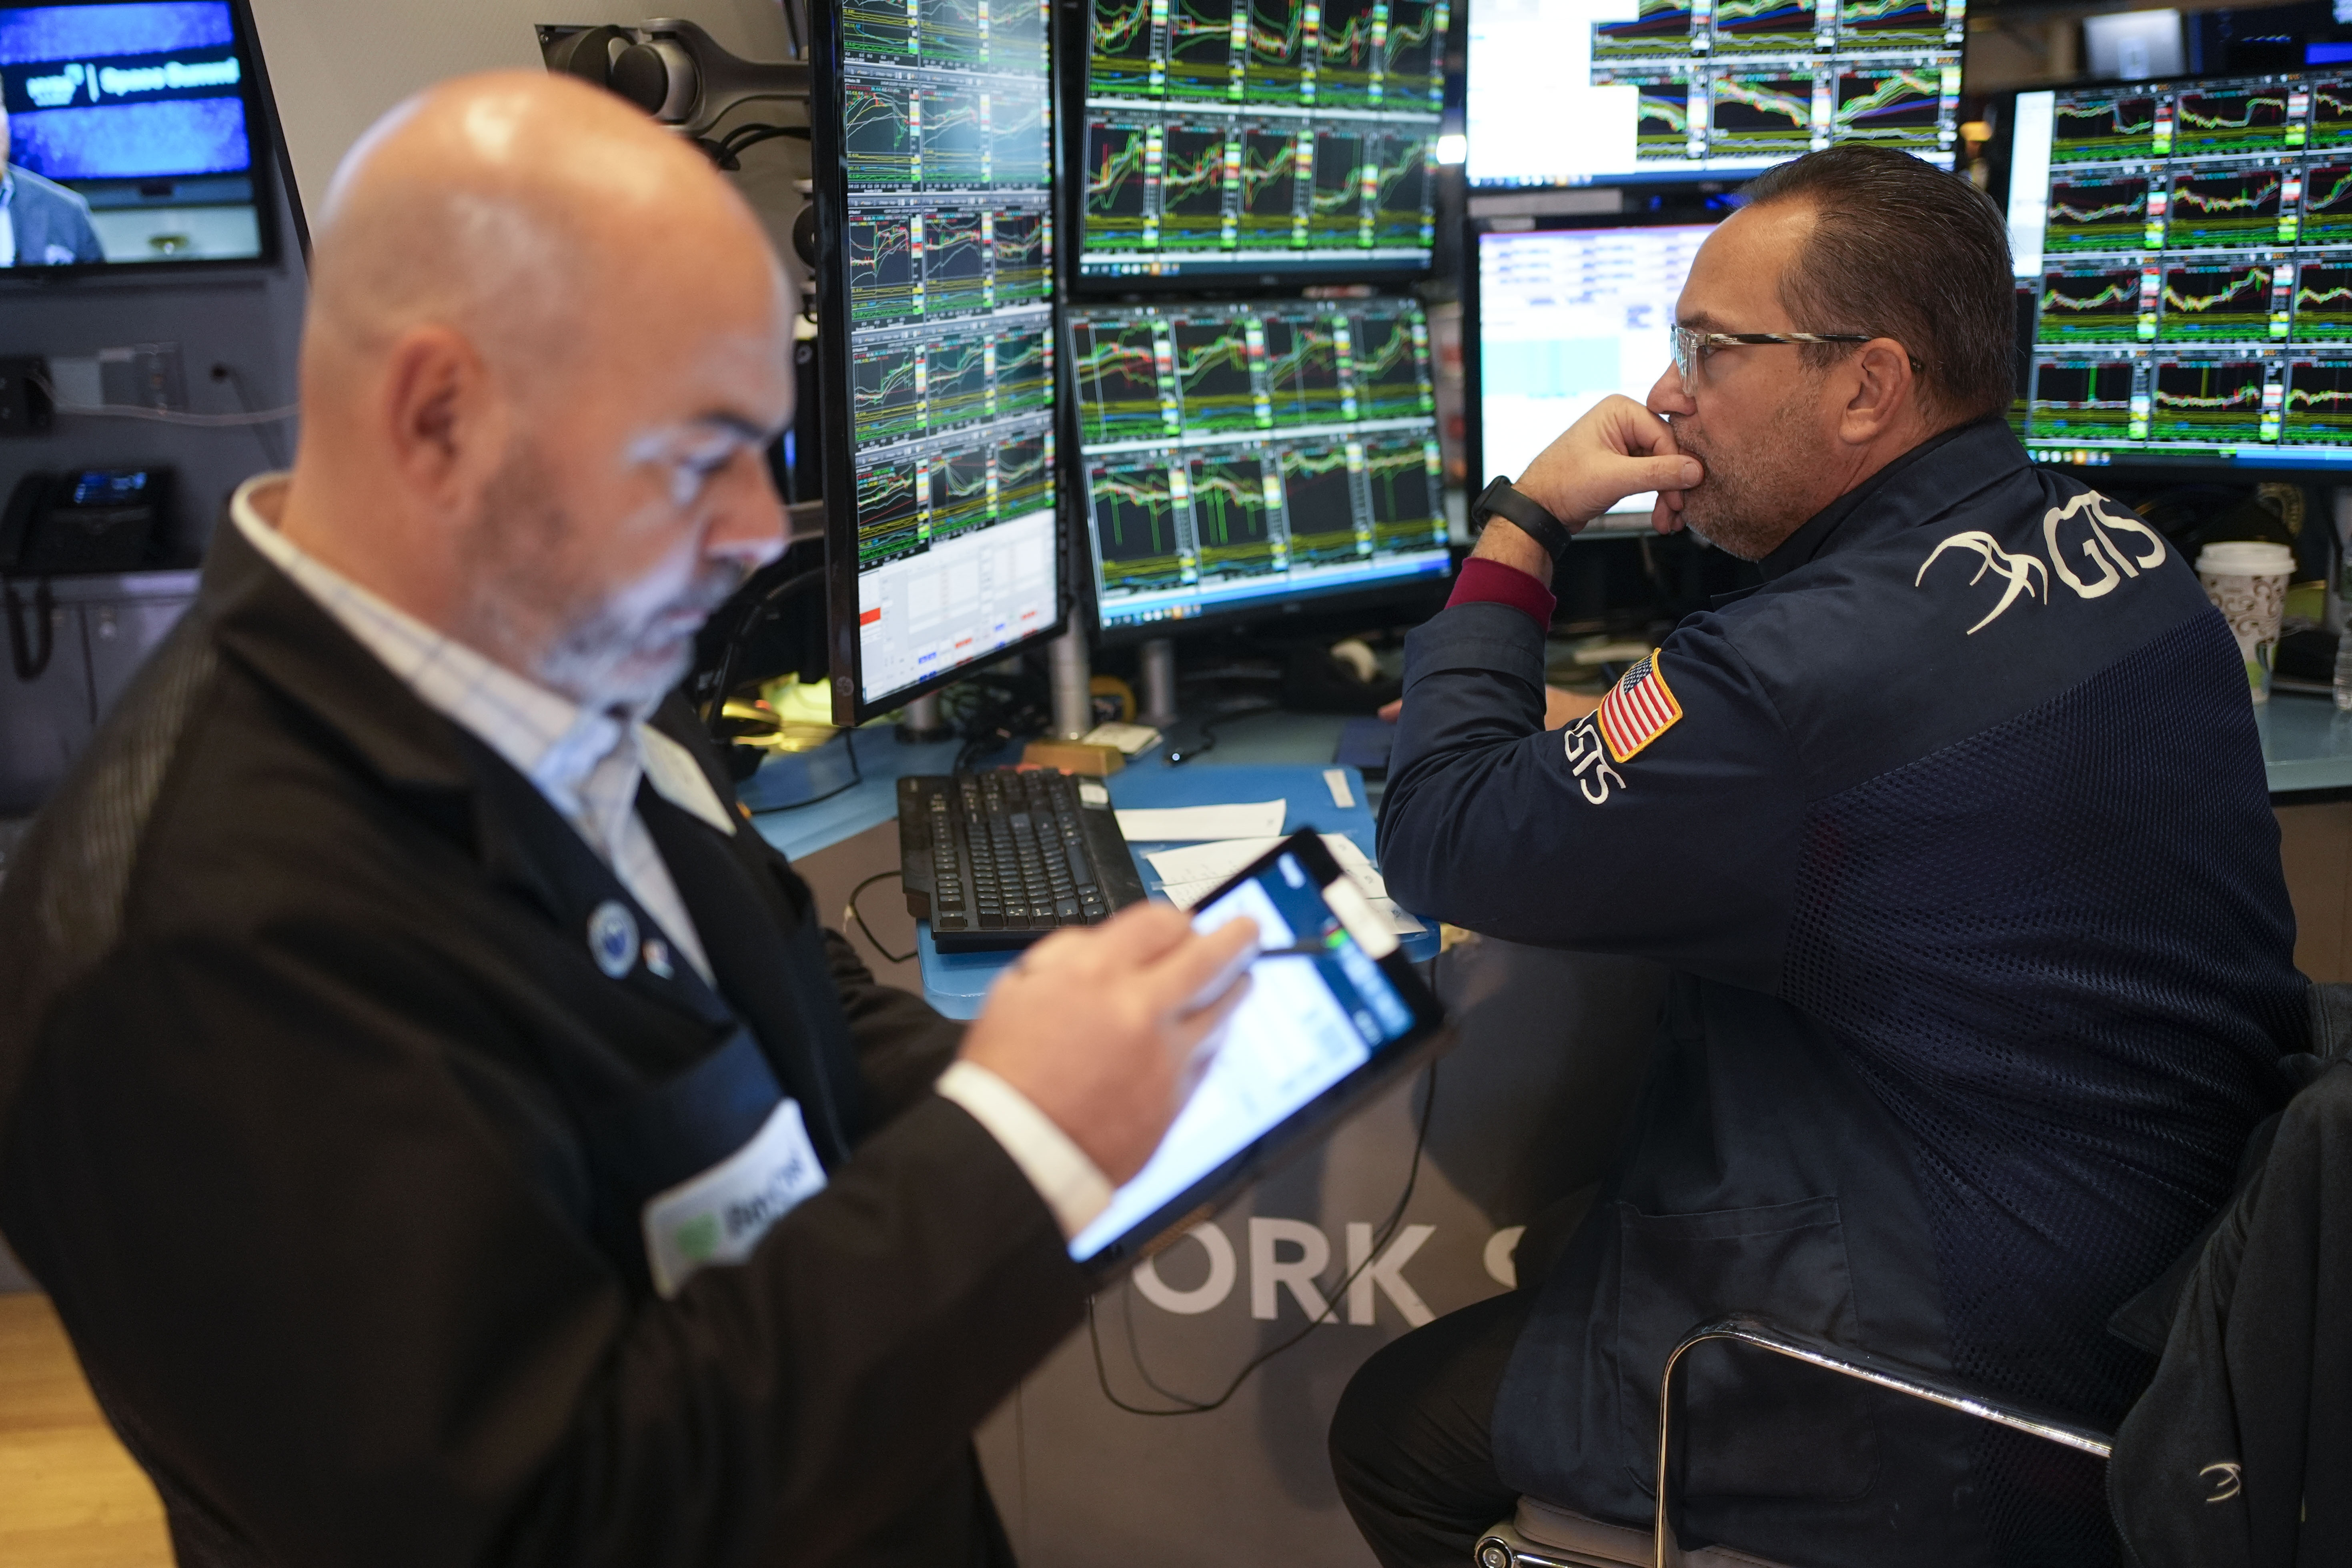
(883, 760)
(957, 983)
(2307, 744)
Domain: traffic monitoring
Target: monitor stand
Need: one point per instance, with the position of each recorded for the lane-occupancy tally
(919, 720)
(1073, 679)
(1159, 660)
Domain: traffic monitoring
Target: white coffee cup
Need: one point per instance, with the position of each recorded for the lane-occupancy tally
(2247, 581)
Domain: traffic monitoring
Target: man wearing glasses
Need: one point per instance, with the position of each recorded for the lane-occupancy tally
(1957, 834)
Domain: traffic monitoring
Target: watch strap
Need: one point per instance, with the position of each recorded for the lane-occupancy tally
(1504, 500)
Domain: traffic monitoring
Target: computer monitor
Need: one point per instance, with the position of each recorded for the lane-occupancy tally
(1561, 318)
(1597, 92)
(1256, 141)
(2185, 248)
(133, 136)
(933, 183)
(1245, 457)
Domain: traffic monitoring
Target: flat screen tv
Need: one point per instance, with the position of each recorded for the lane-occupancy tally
(133, 136)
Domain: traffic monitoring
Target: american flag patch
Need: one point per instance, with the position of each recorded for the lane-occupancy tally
(1638, 709)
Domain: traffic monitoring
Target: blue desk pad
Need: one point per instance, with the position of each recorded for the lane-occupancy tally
(957, 983)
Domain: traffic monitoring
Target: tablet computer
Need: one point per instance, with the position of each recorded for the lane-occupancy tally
(1335, 1019)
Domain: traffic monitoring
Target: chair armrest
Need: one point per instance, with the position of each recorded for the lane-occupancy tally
(1866, 1366)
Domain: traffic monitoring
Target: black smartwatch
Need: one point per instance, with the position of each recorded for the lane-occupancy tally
(1502, 499)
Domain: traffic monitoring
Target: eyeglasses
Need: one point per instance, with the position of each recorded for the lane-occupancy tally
(1691, 345)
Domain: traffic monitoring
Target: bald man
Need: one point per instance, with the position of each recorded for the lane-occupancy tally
(446, 1130)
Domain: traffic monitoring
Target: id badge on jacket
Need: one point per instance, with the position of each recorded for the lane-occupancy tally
(719, 1215)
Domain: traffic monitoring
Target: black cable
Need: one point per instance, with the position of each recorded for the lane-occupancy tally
(992, 710)
(261, 430)
(852, 912)
(753, 135)
(1381, 1239)
(1175, 755)
(857, 777)
(747, 621)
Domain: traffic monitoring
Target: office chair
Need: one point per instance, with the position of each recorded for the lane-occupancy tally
(1539, 1535)
(1542, 1536)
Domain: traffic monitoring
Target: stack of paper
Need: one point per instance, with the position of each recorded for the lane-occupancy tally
(1188, 876)
(1177, 825)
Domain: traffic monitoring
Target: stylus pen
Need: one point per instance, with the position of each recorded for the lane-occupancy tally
(1314, 949)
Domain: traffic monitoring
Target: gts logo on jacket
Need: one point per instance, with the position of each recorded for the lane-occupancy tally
(2025, 573)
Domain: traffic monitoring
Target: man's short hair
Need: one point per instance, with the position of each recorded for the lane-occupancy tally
(1902, 250)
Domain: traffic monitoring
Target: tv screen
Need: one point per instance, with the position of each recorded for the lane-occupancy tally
(128, 136)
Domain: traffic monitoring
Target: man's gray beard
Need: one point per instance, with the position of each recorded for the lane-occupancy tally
(1748, 506)
(604, 654)
(597, 658)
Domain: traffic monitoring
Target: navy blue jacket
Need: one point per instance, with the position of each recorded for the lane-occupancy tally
(1961, 846)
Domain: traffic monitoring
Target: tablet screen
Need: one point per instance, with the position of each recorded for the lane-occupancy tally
(1307, 1022)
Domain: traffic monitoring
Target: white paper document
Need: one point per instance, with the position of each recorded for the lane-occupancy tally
(1256, 819)
(1191, 875)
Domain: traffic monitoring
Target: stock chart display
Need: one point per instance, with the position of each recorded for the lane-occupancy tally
(2186, 250)
(1668, 89)
(1239, 451)
(948, 247)
(1259, 136)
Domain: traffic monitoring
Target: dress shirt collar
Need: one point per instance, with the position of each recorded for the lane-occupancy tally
(547, 737)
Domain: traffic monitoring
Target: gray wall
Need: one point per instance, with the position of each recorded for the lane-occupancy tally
(337, 65)
(246, 317)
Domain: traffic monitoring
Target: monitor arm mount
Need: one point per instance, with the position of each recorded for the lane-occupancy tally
(678, 73)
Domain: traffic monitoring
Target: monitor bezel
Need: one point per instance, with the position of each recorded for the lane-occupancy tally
(1074, 19)
(1344, 601)
(265, 151)
(829, 197)
(1473, 399)
(2143, 465)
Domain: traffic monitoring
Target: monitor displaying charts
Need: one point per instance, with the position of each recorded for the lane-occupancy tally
(1241, 454)
(1579, 93)
(937, 172)
(1256, 138)
(1565, 317)
(2185, 250)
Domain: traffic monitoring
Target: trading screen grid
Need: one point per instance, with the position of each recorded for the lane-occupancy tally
(2185, 253)
(1260, 135)
(1235, 451)
(1700, 89)
(947, 128)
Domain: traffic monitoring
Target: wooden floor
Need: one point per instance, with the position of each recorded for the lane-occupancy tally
(69, 1496)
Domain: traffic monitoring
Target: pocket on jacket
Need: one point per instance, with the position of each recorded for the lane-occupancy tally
(1756, 1424)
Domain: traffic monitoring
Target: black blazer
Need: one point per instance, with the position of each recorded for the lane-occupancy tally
(326, 1131)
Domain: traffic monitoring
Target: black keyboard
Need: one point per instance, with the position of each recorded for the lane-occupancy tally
(998, 859)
